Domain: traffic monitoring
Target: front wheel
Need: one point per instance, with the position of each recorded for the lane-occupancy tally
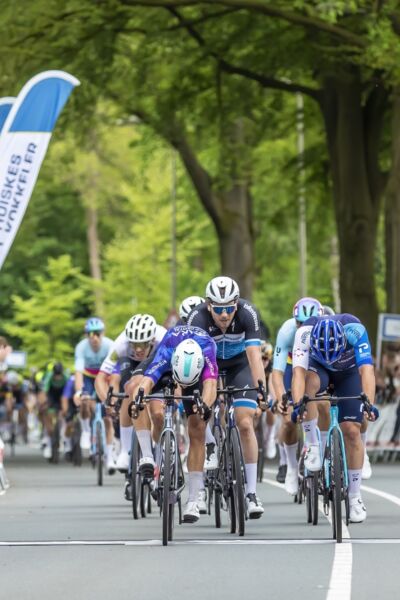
(99, 453)
(336, 486)
(238, 478)
(166, 487)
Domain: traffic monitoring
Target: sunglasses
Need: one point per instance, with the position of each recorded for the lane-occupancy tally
(95, 333)
(220, 309)
(137, 345)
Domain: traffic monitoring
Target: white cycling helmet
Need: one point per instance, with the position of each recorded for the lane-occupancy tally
(222, 290)
(187, 362)
(141, 328)
(188, 304)
(12, 378)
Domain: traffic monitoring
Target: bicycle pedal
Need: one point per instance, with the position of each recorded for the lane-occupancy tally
(147, 471)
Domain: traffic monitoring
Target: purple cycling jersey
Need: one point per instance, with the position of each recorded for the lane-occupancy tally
(161, 363)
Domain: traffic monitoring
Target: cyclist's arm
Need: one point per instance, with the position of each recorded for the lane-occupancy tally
(209, 393)
(277, 388)
(368, 383)
(145, 382)
(101, 385)
(256, 365)
(300, 357)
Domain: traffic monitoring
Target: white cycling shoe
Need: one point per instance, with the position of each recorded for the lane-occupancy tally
(211, 461)
(191, 513)
(292, 482)
(47, 451)
(85, 441)
(254, 506)
(123, 461)
(111, 466)
(366, 470)
(202, 502)
(358, 512)
(146, 467)
(312, 458)
(270, 448)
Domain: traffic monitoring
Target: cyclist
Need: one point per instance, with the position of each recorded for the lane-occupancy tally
(335, 350)
(139, 339)
(234, 324)
(211, 462)
(189, 355)
(89, 355)
(281, 380)
(13, 391)
(51, 386)
(186, 307)
(267, 351)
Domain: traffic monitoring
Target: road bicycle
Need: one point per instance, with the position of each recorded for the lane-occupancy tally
(333, 480)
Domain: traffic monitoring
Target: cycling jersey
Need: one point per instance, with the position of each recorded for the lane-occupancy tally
(357, 351)
(243, 331)
(52, 381)
(122, 348)
(87, 361)
(284, 345)
(161, 363)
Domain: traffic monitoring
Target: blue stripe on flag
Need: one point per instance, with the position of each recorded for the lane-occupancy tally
(4, 110)
(36, 113)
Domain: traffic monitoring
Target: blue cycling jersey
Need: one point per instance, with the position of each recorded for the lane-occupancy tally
(357, 351)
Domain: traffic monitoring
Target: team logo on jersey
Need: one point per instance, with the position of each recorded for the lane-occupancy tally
(297, 353)
(210, 366)
(305, 337)
(277, 350)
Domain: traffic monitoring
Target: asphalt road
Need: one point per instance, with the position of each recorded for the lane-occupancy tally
(61, 536)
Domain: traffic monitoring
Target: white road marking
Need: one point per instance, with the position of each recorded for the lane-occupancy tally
(340, 580)
(226, 542)
(384, 495)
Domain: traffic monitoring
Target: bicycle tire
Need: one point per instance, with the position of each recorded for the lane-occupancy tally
(312, 498)
(227, 486)
(99, 454)
(217, 488)
(336, 486)
(166, 486)
(55, 443)
(133, 476)
(238, 481)
(76, 444)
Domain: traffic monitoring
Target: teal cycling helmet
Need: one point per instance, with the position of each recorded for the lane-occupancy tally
(94, 324)
(306, 308)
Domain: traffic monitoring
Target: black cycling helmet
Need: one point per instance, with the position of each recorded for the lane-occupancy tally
(58, 368)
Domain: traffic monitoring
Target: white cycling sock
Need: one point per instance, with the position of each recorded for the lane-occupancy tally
(282, 455)
(67, 444)
(196, 484)
(144, 437)
(251, 476)
(310, 431)
(291, 454)
(269, 432)
(210, 439)
(109, 451)
(85, 424)
(324, 437)
(354, 482)
(126, 438)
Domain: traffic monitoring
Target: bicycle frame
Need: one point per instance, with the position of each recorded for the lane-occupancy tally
(334, 424)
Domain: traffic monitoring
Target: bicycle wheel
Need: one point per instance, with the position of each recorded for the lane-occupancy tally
(217, 488)
(134, 477)
(55, 443)
(336, 486)
(166, 486)
(238, 481)
(76, 444)
(312, 498)
(99, 453)
(226, 482)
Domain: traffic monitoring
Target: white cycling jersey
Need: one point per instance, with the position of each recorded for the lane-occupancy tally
(121, 348)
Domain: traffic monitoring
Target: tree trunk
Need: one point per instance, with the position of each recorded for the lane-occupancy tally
(392, 216)
(94, 256)
(230, 211)
(353, 138)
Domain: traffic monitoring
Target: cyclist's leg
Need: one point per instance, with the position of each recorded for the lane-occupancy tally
(289, 437)
(195, 463)
(348, 383)
(317, 380)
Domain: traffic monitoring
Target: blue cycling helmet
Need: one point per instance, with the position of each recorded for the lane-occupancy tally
(306, 308)
(94, 324)
(328, 340)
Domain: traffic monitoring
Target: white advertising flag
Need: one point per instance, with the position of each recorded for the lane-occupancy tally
(24, 139)
(5, 107)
